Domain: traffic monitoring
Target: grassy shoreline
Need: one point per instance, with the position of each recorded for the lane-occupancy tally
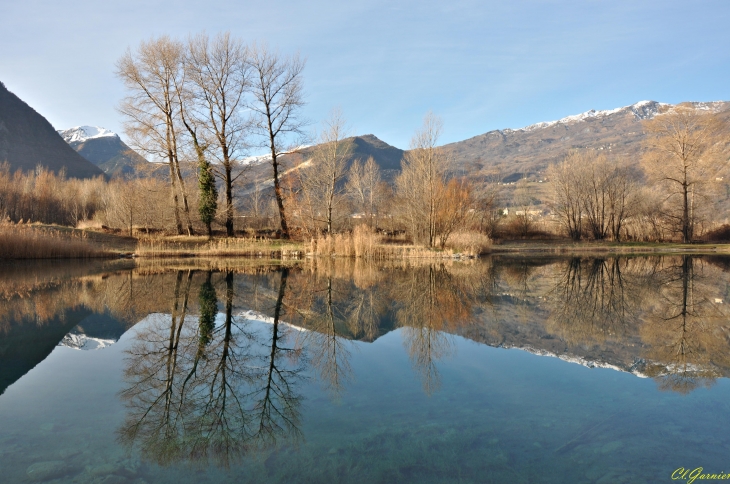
(55, 242)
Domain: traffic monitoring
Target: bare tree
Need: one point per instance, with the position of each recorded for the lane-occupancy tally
(566, 197)
(323, 182)
(364, 187)
(679, 156)
(456, 209)
(151, 75)
(420, 184)
(218, 76)
(278, 96)
(523, 203)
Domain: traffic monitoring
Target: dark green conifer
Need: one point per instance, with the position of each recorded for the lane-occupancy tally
(208, 204)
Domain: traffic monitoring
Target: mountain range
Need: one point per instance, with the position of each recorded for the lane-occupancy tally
(27, 140)
(514, 153)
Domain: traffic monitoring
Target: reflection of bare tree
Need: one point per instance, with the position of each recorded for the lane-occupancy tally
(207, 391)
(593, 299)
(276, 411)
(686, 329)
(330, 350)
(155, 363)
(429, 301)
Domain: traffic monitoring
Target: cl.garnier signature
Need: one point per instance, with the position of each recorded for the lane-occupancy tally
(690, 475)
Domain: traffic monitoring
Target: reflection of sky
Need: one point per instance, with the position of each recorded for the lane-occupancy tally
(481, 65)
(501, 411)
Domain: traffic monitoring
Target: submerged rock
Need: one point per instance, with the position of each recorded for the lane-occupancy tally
(43, 471)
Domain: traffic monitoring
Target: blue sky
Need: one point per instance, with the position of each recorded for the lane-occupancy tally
(480, 65)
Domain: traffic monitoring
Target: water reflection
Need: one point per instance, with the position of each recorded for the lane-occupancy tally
(205, 390)
(686, 328)
(215, 369)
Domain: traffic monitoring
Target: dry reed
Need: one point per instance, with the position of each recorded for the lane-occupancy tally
(226, 247)
(363, 242)
(32, 242)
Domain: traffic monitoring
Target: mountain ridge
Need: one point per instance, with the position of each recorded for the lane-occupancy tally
(27, 140)
(106, 150)
(524, 152)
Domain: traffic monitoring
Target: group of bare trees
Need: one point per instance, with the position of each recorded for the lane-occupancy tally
(432, 202)
(593, 195)
(208, 100)
(596, 196)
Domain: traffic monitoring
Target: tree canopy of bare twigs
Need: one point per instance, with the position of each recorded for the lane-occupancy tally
(151, 75)
(364, 186)
(217, 75)
(278, 96)
(420, 184)
(681, 156)
(594, 194)
(323, 184)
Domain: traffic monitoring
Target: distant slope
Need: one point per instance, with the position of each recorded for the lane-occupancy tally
(107, 151)
(512, 153)
(387, 157)
(27, 140)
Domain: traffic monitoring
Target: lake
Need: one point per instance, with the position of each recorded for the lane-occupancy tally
(503, 369)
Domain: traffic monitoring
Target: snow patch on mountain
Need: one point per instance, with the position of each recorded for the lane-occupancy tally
(641, 110)
(79, 341)
(81, 134)
(258, 159)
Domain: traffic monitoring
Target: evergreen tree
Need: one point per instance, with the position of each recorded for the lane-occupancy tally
(208, 204)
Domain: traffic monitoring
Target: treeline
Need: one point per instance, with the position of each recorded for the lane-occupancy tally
(669, 194)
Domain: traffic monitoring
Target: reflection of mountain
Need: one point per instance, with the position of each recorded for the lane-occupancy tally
(23, 346)
(95, 332)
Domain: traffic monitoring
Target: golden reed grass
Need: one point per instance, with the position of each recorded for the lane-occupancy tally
(179, 247)
(30, 242)
(363, 242)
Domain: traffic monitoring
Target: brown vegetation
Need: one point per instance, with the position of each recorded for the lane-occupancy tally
(21, 241)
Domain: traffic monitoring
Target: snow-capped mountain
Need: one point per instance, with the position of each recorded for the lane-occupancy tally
(527, 151)
(105, 149)
(81, 134)
(641, 110)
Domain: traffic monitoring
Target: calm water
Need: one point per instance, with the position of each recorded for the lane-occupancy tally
(502, 370)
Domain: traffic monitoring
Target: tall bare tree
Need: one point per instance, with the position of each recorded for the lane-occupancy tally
(218, 75)
(278, 95)
(679, 156)
(323, 182)
(151, 74)
(421, 182)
